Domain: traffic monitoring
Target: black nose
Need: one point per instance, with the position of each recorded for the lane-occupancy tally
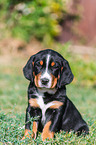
(44, 81)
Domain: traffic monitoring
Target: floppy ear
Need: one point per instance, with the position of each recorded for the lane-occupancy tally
(28, 69)
(66, 75)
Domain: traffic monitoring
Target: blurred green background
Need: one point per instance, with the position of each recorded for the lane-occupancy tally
(27, 27)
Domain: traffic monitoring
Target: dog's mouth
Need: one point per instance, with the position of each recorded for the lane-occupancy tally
(45, 82)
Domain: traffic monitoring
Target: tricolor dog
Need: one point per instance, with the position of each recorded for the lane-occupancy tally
(49, 73)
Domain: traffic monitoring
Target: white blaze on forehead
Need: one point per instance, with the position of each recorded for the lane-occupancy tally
(46, 74)
(47, 62)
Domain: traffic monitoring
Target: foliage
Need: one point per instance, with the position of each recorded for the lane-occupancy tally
(37, 18)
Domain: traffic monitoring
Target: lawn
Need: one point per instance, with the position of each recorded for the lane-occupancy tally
(13, 102)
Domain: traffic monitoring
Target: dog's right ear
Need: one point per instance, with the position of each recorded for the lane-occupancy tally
(28, 69)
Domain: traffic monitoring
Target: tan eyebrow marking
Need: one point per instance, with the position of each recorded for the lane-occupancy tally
(61, 68)
(41, 62)
(53, 63)
(33, 63)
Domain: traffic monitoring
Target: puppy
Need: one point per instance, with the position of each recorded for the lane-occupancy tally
(49, 73)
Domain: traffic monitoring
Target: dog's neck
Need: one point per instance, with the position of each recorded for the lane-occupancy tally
(48, 90)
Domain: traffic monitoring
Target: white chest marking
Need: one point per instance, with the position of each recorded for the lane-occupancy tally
(43, 106)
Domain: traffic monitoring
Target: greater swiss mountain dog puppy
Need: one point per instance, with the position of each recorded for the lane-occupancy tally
(49, 73)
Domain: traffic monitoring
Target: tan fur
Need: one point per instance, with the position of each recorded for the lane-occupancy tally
(34, 130)
(33, 102)
(53, 63)
(54, 81)
(37, 78)
(41, 62)
(46, 132)
(56, 105)
(26, 134)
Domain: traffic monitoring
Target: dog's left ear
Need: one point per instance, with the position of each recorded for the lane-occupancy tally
(28, 69)
(66, 75)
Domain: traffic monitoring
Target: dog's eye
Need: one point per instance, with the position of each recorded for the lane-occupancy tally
(37, 63)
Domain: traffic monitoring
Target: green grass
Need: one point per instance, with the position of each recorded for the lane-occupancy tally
(13, 102)
(11, 131)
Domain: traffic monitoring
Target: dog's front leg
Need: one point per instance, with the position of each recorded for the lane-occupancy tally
(54, 122)
(46, 132)
(27, 123)
(30, 113)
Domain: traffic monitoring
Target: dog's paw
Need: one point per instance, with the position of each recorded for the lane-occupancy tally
(26, 134)
(47, 135)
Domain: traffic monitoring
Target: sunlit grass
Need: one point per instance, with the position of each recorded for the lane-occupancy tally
(12, 130)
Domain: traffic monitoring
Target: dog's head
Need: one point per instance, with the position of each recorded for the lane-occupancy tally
(48, 69)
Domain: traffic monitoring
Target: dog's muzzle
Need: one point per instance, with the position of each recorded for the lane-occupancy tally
(45, 81)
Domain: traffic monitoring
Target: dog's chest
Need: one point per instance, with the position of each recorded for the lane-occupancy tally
(42, 105)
